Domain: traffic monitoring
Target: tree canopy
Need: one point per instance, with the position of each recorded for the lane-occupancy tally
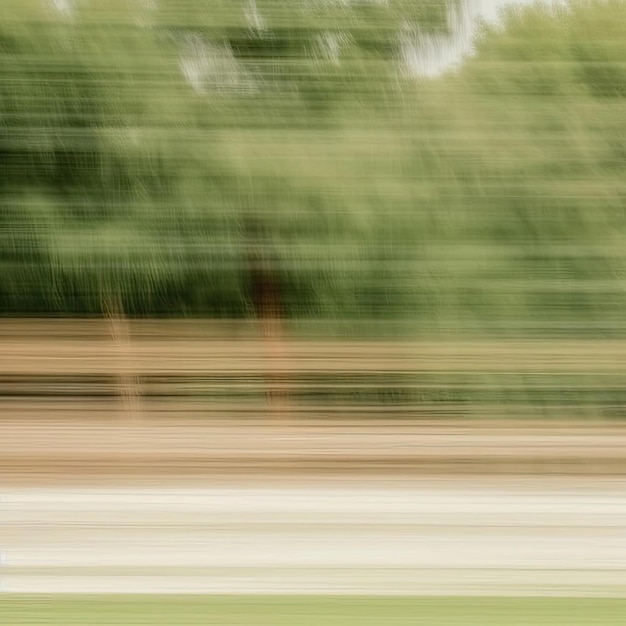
(137, 138)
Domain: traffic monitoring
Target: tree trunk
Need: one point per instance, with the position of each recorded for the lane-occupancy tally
(127, 383)
(266, 300)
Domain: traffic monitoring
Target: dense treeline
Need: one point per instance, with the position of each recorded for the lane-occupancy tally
(140, 140)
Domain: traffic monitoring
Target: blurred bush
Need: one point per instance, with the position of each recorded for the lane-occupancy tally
(138, 138)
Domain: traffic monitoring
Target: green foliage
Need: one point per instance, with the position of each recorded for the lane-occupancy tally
(136, 138)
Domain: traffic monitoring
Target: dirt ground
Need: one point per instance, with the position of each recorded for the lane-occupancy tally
(120, 472)
(92, 446)
(83, 400)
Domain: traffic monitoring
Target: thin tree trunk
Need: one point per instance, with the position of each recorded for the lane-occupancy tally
(275, 349)
(266, 300)
(128, 389)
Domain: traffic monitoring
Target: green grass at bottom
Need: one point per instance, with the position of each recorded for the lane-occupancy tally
(134, 610)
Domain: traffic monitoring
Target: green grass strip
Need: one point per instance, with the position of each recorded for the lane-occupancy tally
(134, 610)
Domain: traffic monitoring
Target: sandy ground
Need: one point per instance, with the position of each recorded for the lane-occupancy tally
(194, 506)
(190, 506)
(62, 451)
(168, 498)
(516, 538)
(199, 355)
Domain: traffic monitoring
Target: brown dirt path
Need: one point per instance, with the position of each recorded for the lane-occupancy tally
(53, 450)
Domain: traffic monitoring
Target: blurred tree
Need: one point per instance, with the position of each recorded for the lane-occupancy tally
(135, 138)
